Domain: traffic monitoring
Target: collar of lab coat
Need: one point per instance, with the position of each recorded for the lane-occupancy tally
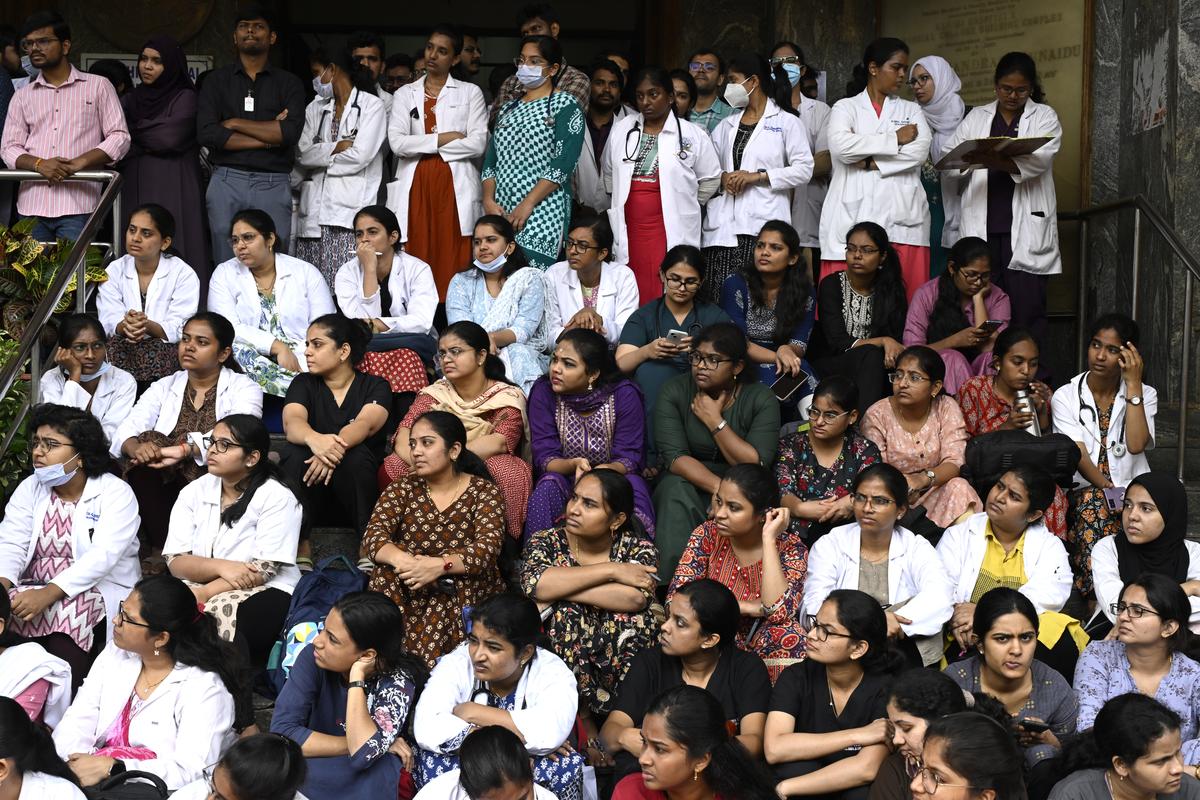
(1031, 111)
(285, 268)
(606, 279)
(772, 110)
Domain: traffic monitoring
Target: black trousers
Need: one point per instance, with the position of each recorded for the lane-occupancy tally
(259, 620)
(349, 498)
(863, 365)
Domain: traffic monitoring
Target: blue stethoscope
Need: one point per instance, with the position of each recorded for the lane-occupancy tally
(357, 118)
(637, 128)
(1116, 447)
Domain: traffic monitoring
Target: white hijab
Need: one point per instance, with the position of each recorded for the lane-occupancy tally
(946, 109)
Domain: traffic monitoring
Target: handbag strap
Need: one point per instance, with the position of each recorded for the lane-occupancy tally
(125, 777)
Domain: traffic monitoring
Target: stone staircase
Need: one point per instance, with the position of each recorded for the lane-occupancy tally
(1166, 449)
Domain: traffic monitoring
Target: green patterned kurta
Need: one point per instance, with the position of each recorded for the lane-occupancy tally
(535, 140)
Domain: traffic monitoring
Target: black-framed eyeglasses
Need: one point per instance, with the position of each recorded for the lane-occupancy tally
(38, 442)
(574, 245)
(39, 44)
(703, 66)
(866, 250)
(815, 414)
(931, 781)
(875, 501)
(1013, 91)
(686, 283)
(1133, 609)
(219, 445)
(919, 80)
(974, 277)
(698, 359)
(819, 631)
(123, 618)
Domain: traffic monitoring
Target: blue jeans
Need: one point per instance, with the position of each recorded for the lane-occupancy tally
(49, 229)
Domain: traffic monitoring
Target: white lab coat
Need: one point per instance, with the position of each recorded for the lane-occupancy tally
(414, 294)
(104, 542)
(779, 145)
(158, 408)
(40, 786)
(268, 531)
(617, 299)
(459, 107)
(1047, 570)
(915, 574)
(187, 721)
(679, 179)
(112, 402)
(547, 701)
(172, 295)
(1034, 204)
(338, 186)
(808, 199)
(588, 182)
(1106, 577)
(301, 295)
(1074, 411)
(23, 665)
(891, 196)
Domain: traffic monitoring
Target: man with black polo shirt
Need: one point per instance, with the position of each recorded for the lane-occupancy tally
(250, 117)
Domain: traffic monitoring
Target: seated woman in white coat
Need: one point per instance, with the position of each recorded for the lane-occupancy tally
(68, 540)
(29, 767)
(150, 291)
(1109, 413)
(589, 290)
(438, 133)
(83, 378)
(764, 153)
(160, 698)
(660, 169)
(270, 298)
(501, 676)
(38, 681)
(1011, 200)
(390, 290)
(878, 142)
(234, 534)
(1009, 546)
(876, 555)
(340, 157)
(162, 438)
(264, 766)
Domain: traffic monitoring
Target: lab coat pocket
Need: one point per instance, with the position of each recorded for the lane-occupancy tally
(1041, 233)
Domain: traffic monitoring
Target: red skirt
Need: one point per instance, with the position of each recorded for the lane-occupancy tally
(647, 237)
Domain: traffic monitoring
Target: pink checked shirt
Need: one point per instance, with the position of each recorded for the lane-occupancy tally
(45, 121)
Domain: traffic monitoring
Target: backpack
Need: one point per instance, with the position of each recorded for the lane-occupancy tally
(312, 598)
(990, 455)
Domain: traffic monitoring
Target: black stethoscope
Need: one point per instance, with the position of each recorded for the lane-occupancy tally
(637, 128)
(1117, 447)
(357, 118)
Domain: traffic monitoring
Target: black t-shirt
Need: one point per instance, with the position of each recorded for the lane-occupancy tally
(326, 416)
(803, 691)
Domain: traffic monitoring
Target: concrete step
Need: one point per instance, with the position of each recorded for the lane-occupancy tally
(327, 542)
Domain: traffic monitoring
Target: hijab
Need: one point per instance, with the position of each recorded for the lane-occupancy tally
(946, 109)
(1166, 555)
(148, 101)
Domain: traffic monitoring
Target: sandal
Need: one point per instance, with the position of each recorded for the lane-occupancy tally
(304, 563)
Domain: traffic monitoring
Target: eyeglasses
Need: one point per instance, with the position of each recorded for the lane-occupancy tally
(974, 277)
(1013, 91)
(245, 238)
(532, 61)
(919, 80)
(123, 618)
(706, 361)
(38, 44)
(686, 283)
(210, 779)
(815, 414)
(703, 66)
(819, 631)
(874, 501)
(79, 348)
(930, 781)
(913, 378)
(574, 245)
(219, 445)
(452, 353)
(866, 250)
(48, 444)
(785, 60)
(1133, 609)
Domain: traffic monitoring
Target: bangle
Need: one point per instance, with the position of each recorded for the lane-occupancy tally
(37, 165)
(447, 563)
(724, 424)
(357, 685)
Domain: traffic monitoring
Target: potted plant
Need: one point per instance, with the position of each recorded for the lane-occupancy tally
(28, 267)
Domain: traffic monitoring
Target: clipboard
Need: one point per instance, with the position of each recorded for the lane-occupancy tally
(999, 145)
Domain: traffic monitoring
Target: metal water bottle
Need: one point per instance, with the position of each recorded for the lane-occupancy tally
(1025, 403)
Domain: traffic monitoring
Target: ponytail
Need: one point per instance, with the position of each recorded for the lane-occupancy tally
(478, 340)
(774, 83)
(252, 436)
(28, 744)
(877, 53)
(782, 89)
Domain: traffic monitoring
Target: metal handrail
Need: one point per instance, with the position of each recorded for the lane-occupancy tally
(76, 263)
(1142, 207)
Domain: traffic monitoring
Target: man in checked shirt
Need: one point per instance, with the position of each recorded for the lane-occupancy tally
(63, 121)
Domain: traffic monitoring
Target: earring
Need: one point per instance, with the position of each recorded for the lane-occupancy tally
(696, 774)
(156, 651)
(590, 385)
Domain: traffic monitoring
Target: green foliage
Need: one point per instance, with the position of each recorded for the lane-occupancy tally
(14, 463)
(28, 267)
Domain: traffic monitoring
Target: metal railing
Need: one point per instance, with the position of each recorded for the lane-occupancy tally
(1143, 209)
(30, 345)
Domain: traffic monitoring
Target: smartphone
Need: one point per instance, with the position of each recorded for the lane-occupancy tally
(787, 385)
(676, 336)
(1033, 725)
(991, 325)
(1114, 498)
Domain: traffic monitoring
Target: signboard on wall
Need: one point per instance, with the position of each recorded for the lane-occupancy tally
(195, 64)
(973, 34)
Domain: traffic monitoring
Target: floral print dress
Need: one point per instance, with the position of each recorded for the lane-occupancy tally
(273, 378)
(799, 473)
(1093, 520)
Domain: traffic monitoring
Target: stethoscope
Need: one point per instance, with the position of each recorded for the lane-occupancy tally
(547, 120)
(637, 145)
(1117, 447)
(357, 118)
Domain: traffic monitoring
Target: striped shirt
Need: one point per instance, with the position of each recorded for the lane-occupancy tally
(45, 121)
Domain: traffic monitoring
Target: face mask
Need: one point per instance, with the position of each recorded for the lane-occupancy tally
(104, 367)
(736, 94)
(323, 90)
(55, 474)
(495, 266)
(793, 73)
(28, 66)
(530, 76)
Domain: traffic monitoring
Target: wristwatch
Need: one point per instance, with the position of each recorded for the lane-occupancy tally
(932, 478)
(357, 685)
(1136, 400)
(724, 424)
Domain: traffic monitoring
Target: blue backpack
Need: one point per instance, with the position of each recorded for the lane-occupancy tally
(312, 598)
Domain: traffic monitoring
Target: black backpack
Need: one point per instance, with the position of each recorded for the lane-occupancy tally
(990, 455)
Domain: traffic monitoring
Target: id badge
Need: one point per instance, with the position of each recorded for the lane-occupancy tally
(248, 103)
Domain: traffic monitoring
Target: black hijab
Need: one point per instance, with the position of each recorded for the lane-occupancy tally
(1166, 555)
(148, 101)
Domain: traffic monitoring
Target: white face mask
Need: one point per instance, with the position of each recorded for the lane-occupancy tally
(530, 76)
(495, 266)
(55, 474)
(323, 90)
(736, 94)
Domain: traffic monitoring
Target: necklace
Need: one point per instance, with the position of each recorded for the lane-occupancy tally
(150, 687)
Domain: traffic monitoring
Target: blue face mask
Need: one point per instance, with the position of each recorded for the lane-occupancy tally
(530, 76)
(793, 72)
(495, 266)
(104, 367)
(55, 474)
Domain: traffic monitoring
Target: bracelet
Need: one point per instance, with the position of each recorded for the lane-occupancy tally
(724, 424)
(37, 165)
(357, 685)
(447, 563)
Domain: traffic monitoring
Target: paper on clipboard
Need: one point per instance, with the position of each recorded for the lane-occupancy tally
(1006, 145)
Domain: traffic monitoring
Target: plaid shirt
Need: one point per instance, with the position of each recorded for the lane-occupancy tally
(572, 81)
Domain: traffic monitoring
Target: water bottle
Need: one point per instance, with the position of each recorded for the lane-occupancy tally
(1025, 403)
